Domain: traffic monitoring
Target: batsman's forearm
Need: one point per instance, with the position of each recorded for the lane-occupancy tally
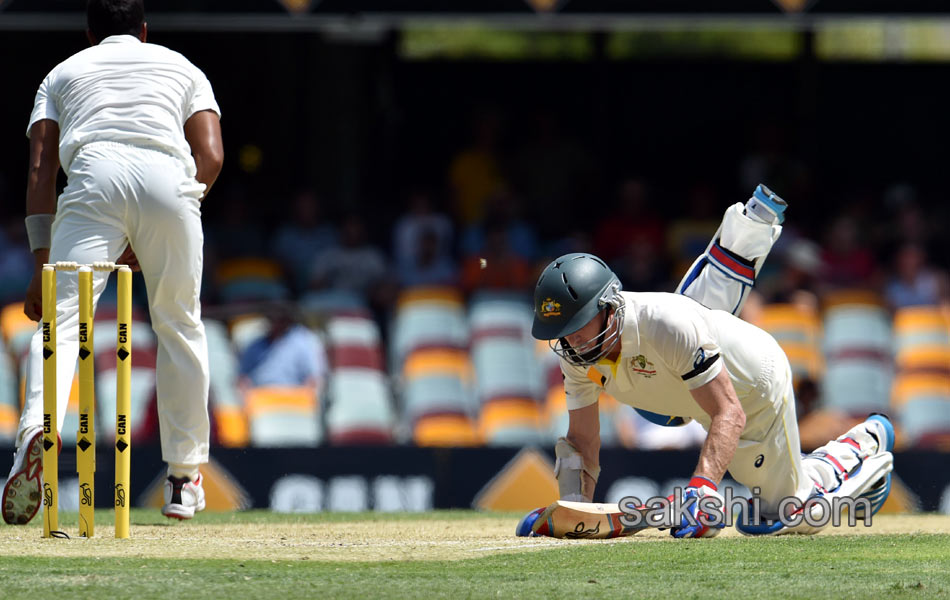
(589, 448)
(720, 446)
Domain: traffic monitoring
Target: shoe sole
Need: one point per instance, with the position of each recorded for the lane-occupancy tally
(181, 516)
(877, 496)
(181, 512)
(22, 494)
(888, 429)
(772, 201)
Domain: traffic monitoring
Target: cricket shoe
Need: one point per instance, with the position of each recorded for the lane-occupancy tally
(183, 497)
(879, 426)
(23, 492)
(766, 205)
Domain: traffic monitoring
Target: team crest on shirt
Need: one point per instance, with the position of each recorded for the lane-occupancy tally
(550, 308)
(641, 366)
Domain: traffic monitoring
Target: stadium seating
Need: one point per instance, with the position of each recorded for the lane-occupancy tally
(798, 332)
(448, 430)
(250, 280)
(360, 407)
(105, 331)
(283, 416)
(316, 306)
(427, 317)
(226, 405)
(437, 401)
(511, 421)
(922, 404)
(9, 408)
(354, 342)
(16, 328)
(505, 367)
(921, 326)
(142, 396)
(509, 383)
(499, 314)
(858, 349)
(921, 393)
(467, 374)
(245, 329)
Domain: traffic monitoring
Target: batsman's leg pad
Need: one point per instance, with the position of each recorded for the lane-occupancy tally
(746, 237)
(842, 461)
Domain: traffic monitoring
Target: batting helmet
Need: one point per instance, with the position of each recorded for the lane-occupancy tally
(571, 291)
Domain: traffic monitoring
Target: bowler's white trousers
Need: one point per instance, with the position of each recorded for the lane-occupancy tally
(118, 195)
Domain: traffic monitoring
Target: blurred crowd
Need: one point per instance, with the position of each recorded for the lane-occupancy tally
(499, 212)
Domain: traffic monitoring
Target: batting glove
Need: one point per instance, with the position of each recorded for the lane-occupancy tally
(701, 491)
(526, 524)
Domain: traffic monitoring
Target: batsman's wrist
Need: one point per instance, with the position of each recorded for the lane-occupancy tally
(699, 481)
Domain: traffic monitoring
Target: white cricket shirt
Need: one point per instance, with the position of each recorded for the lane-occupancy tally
(122, 90)
(672, 344)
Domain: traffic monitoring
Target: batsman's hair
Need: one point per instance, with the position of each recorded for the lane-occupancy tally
(114, 17)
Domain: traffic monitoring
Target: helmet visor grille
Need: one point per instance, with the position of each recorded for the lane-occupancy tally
(591, 351)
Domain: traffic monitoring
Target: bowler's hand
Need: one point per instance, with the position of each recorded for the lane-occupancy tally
(33, 304)
(128, 258)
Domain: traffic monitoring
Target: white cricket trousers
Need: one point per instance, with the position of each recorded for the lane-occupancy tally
(116, 195)
(720, 279)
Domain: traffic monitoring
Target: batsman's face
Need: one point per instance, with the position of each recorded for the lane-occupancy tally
(596, 339)
(586, 334)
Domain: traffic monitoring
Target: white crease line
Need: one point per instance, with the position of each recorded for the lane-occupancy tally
(541, 545)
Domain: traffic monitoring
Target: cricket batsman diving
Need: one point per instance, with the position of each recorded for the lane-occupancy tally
(135, 126)
(687, 355)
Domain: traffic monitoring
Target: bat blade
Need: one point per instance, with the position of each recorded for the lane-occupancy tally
(585, 520)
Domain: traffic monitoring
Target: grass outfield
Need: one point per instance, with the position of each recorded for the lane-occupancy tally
(461, 554)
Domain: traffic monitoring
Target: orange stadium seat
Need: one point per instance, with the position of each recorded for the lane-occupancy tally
(798, 332)
(511, 421)
(922, 325)
(9, 409)
(16, 328)
(283, 416)
(428, 295)
(847, 297)
(446, 430)
(424, 324)
(227, 408)
(438, 361)
(922, 403)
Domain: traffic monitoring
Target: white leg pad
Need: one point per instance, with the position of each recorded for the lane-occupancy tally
(721, 277)
(747, 237)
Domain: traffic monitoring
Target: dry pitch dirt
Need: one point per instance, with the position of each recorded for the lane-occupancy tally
(379, 540)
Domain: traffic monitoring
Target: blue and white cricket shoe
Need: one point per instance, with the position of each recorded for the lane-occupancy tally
(880, 427)
(767, 205)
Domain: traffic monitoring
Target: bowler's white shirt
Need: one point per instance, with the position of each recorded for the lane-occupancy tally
(672, 344)
(123, 90)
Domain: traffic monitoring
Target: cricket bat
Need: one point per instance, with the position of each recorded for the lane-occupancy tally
(587, 520)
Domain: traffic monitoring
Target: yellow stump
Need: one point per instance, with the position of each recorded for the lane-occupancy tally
(123, 403)
(50, 424)
(86, 434)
